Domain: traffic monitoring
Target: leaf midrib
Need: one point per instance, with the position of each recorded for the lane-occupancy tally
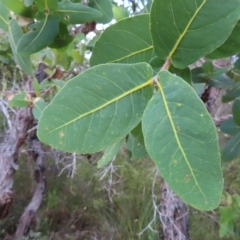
(149, 82)
(185, 31)
(176, 137)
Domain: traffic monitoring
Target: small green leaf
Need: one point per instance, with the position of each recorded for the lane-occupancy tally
(135, 147)
(230, 47)
(220, 81)
(38, 106)
(4, 17)
(14, 34)
(129, 44)
(20, 100)
(232, 148)
(44, 5)
(232, 93)
(28, 3)
(75, 13)
(181, 139)
(120, 12)
(208, 67)
(105, 7)
(109, 154)
(176, 26)
(236, 111)
(197, 75)
(40, 37)
(230, 127)
(97, 108)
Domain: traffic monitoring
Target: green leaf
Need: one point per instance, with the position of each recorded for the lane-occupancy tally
(181, 139)
(28, 3)
(184, 31)
(232, 148)
(19, 8)
(14, 34)
(232, 93)
(109, 154)
(38, 106)
(44, 5)
(129, 44)
(42, 35)
(197, 75)
(135, 147)
(63, 38)
(236, 111)
(230, 127)
(4, 16)
(208, 67)
(20, 100)
(230, 47)
(97, 108)
(119, 12)
(75, 13)
(105, 7)
(220, 81)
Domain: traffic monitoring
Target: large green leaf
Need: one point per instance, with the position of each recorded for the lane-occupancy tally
(184, 31)
(105, 7)
(41, 36)
(127, 41)
(232, 148)
(4, 16)
(74, 13)
(14, 34)
(19, 8)
(230, 47)
(97, 108)
(181, 139)
(109, 154)
(46, 5)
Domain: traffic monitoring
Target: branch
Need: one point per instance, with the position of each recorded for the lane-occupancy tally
(30, 212)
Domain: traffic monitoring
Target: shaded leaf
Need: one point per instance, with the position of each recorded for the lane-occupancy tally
(105, 7)
(220, 81)
(135, 147)
(97, 108)
(4, 17)
(75, 13)
(232, 148)
(231, 94)
(236, 111)
(230, 127)
(181, 139)
(176, 26)
(131, 43)
(230, 47)
(38, 106)
(198, 75)
(42, 35)
(20, 100)
(14, 34)
(44, 5)
(109, 154)
(63, 38)
(208, 67)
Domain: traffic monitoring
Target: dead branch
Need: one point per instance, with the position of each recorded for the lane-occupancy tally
(14, 139)
(174, 215)
(29, 214)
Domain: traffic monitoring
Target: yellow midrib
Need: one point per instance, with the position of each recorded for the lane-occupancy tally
(149, 82)
(176, 136)
(132, 54)
(185, 30)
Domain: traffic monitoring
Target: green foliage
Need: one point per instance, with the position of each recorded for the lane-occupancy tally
(175, 28)
(179, 147)
(104, 104)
